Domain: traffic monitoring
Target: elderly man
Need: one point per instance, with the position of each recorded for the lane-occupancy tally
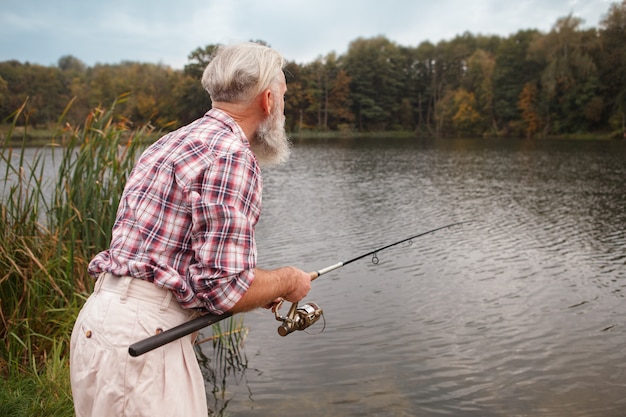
(183, 243)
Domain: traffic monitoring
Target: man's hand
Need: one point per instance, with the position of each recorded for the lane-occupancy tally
(269, 286)
(301, 286)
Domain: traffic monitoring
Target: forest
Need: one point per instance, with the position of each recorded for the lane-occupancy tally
(568, 81)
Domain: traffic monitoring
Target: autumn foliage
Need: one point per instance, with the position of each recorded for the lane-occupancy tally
(567, 81)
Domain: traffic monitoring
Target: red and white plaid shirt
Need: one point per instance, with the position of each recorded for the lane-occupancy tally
(187, 216)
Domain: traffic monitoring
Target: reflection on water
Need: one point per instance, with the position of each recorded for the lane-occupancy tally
(519, 313)
(228, 362)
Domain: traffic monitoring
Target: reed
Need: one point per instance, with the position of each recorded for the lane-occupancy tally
(229, 362)
(50, 228)
(39, 394)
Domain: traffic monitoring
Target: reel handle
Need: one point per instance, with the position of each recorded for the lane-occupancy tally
(289, 321)
(298, 318)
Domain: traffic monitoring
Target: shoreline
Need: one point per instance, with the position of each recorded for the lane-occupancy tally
(43, 137)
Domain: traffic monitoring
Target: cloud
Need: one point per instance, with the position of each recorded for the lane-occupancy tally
(42, 31)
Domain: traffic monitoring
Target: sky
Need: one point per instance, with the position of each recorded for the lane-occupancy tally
(167, 31)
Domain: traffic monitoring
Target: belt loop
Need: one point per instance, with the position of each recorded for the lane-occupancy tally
(166, 300)
(99, 282)
(125, 283)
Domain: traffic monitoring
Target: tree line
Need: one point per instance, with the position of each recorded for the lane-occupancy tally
(570, 80)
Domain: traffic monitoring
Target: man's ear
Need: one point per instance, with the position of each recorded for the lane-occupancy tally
(267, 101)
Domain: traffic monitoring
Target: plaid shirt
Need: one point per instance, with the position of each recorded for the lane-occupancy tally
(187, 215)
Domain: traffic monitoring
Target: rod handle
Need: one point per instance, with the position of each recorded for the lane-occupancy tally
(323, 271)
(182, 330)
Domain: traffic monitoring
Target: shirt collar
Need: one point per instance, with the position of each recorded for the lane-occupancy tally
(225, 118)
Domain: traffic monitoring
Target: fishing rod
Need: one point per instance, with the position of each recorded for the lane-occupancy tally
(375, 251)
(298, 318)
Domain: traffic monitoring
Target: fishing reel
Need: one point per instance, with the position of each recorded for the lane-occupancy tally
(298, 318)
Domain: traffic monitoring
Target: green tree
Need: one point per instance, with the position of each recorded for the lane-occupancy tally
(41, 88)
(421, 85)
(512, 70)
(296, 101)
(373, 66)
(611, 60)
(102, 88)
(69, 63)
(445, 67)
(338, 103)
(4, 96)
(191, 99)
(199, 58)
(74, 76)
(332, 93)
(479, 80)
(569, 80)
(151, 99)
(316, 92)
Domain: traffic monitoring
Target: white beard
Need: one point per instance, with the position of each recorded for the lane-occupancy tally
(270, 144)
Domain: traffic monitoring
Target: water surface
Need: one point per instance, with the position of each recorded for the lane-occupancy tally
(519, 313)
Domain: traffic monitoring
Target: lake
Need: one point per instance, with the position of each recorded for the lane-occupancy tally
(519, 313)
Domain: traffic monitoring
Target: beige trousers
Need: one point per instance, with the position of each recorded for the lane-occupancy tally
(107, 381)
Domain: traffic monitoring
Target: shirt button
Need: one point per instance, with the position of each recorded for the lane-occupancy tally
(88, 334)
(159, 330)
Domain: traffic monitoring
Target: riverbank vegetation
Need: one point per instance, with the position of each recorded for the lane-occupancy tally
(53, 220)
(569, 81)
(50, 227)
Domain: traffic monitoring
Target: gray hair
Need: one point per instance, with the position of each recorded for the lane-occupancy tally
(238, 73)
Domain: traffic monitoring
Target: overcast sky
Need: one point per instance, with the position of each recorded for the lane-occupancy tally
(166, 31)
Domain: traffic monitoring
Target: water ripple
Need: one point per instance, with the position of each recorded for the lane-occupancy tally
(520, 312)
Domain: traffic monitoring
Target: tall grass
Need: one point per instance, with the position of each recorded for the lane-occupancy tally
(229, 362)
(45, 393)
(50, 228)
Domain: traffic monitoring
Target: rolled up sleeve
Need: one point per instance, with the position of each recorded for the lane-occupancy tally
(224, 212)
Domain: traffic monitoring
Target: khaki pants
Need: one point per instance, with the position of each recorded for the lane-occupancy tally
(107, 381)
